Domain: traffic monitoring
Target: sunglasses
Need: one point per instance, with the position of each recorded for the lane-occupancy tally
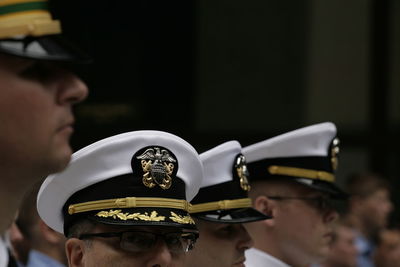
(141, 241)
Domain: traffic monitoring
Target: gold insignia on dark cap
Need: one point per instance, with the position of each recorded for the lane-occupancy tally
(181, 219)
(334, 153)
(157, 165)
(118, 214)
(242, 172)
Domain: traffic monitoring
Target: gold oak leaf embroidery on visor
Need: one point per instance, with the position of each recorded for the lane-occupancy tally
(153, 217)
(181, 219)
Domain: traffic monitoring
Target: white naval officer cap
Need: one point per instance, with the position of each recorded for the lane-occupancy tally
(223, 196)
(134, 178)
(307, 155)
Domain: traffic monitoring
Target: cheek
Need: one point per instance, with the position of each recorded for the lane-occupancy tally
(103, 256)
(380, 214)
(24, 123)
(210, 250)
(301, 222)
(309, 231)
(25, 108)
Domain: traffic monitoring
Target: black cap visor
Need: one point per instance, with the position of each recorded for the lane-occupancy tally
(49, 47)
(333, 190)
(137, 217)
(242, 215)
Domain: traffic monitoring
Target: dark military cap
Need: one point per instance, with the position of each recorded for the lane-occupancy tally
(28, 30)
(137, 178)
(223, 196)
(308, 156)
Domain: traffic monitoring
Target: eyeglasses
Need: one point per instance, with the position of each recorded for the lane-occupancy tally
(321, 203)
(141, 241)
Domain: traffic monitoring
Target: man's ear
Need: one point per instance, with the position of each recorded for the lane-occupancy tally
(264, 205)
(75, 250)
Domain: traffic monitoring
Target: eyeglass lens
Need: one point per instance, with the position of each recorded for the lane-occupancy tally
(141, 241)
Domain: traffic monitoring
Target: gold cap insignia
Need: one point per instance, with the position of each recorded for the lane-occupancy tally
(335, 153)
(157, 165)
(242, 172)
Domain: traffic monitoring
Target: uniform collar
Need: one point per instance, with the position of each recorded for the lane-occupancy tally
(37, 258)
(258, 258)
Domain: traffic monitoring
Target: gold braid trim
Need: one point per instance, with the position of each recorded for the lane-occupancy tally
(221, 205)
(11, 2)
(129, 202)
(35, 23)
(304, 173)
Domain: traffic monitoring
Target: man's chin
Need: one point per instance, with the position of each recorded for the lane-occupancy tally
(59, 161)
(322, 253)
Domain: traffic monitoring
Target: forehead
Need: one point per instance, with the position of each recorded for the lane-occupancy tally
(202, 224)
(213, 227)
(380, 192)
(288, 188)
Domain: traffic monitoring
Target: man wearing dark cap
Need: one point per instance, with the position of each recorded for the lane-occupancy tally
(123, 201)
(36, 96)
(36, 99)
(292, 179)
(221, 208)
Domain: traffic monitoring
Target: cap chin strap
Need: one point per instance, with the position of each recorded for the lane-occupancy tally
(129, 202)
(221, 205)
(302, 173)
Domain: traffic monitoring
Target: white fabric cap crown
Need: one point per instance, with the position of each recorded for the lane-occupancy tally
(109, 158)
(307, 141)
(218, 162)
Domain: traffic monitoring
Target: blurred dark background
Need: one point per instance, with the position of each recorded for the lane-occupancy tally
(213, 71)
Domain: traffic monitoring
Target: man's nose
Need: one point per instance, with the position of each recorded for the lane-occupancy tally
(245, 241)
(161, 256)
(71, 89)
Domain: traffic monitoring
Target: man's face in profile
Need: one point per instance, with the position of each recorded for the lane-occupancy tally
(36, 100)
(219, 245)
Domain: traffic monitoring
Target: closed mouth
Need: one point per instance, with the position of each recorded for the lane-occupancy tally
(69, 125)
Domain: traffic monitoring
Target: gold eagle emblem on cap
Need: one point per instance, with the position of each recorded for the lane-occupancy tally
(242, 172)
(157, 165)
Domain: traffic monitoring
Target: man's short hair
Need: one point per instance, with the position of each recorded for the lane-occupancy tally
(80, 227)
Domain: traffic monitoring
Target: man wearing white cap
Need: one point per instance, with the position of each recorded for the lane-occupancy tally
(221, 208)
(292, 179)
(123, 201)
